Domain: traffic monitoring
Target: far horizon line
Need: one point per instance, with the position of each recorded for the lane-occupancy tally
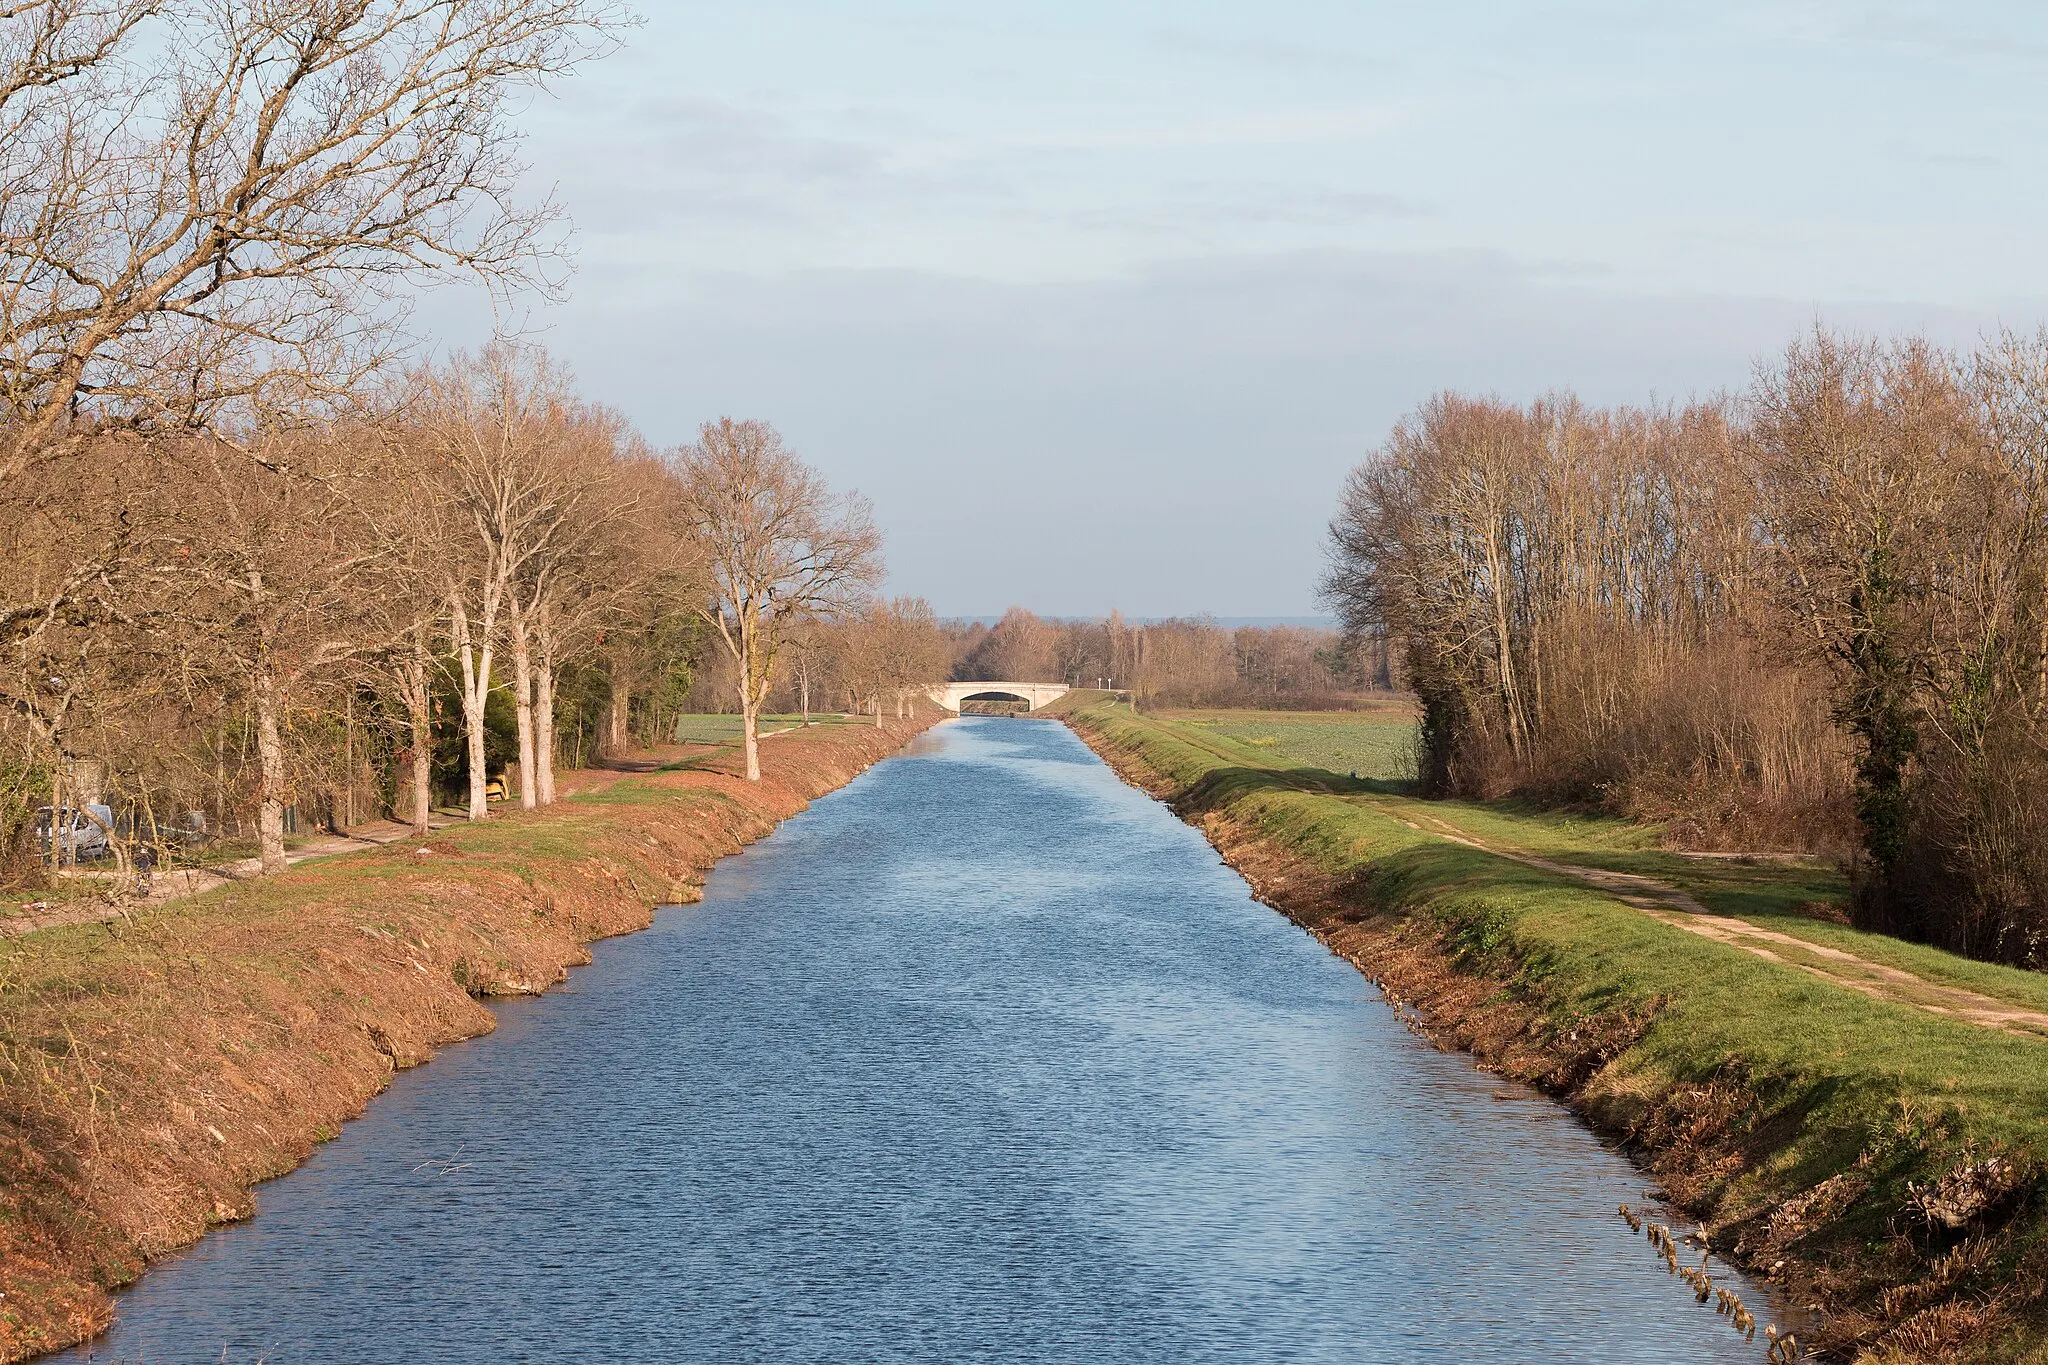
(1319, 622)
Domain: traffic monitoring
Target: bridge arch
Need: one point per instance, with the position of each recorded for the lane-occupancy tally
(1033, 695)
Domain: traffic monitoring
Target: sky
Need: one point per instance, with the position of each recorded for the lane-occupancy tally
(1098, 302)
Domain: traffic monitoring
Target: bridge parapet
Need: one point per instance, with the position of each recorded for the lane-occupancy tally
(1033, 695)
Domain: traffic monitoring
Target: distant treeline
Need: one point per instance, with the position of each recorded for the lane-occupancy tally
(1184, 660)
(1813, 614)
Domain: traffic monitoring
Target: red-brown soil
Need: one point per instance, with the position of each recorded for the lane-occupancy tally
(156, 1067)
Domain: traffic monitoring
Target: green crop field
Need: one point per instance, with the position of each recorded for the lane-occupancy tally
(711, 729)
(1378, 744)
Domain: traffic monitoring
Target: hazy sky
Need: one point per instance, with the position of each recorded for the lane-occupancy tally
(1097, 302)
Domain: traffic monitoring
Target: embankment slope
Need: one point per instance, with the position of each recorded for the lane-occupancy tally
(1875, 1158)
(153, 1070)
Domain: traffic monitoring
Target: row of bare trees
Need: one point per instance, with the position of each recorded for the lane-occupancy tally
(265, 585)
(1814, 613)
(212, 213)
(251, 555)
(1185, 660)
(485, 533)
(867, 656)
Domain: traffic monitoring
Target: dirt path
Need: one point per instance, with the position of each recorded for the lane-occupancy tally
(1683, 911)
(179, 883)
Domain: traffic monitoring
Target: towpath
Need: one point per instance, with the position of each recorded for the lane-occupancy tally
(1680, 909)
(32, 916)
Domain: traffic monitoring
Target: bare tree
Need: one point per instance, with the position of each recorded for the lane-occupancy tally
(914, 652)
(565, 555)
(1018, 648)
(209, 205)
(861, 656)
(1863, 453)
(419, 530)
(495, 425)
(807, 659)
(778, 546)
(70, 554)
(610, 552)
(263, 563)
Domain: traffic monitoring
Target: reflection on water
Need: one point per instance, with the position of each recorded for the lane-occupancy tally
(984, 1058)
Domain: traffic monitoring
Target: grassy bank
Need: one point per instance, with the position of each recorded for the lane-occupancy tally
(154, 1069)
(1872, 1156)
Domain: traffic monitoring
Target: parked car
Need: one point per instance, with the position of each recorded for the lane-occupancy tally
(191, 831)
(74, 834)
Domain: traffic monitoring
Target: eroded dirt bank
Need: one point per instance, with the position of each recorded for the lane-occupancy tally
(1911, 1238)
(153, 1070)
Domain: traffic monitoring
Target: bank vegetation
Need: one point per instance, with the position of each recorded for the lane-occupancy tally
(155, 1068)
(264, 569)
(1872, 1154)
(1812, 615)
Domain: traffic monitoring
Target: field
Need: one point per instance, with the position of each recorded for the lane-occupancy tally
(1376, 745)
(725, 729)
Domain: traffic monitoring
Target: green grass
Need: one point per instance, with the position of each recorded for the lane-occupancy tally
(1798, 898)
(1377, 744)
(725, 729)
(1833, 1069)
(1074, 699)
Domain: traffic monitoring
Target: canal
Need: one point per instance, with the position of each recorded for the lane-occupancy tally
(985, 1057)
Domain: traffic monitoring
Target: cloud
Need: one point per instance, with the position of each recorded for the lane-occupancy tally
(1237, 50)
(1919, 29)
(1287, 128)
(656, 164)
(1198, 209)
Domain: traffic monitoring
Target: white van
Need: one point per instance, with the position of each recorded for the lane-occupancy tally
(74, 835)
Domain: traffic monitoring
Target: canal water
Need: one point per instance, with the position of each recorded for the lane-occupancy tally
(985, 1057)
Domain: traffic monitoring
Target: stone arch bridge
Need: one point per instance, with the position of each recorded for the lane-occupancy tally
(1033, 695)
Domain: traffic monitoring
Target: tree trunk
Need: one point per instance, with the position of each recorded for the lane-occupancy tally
(622, 706)
(220, 783)
(419, 719)
(58, 824)
(544, 728)
(803, 687)
(522, 701)
(348, 816)
(271, 788)
(746, 651)
(1503, 639)
(476, 688)
(749, 738)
